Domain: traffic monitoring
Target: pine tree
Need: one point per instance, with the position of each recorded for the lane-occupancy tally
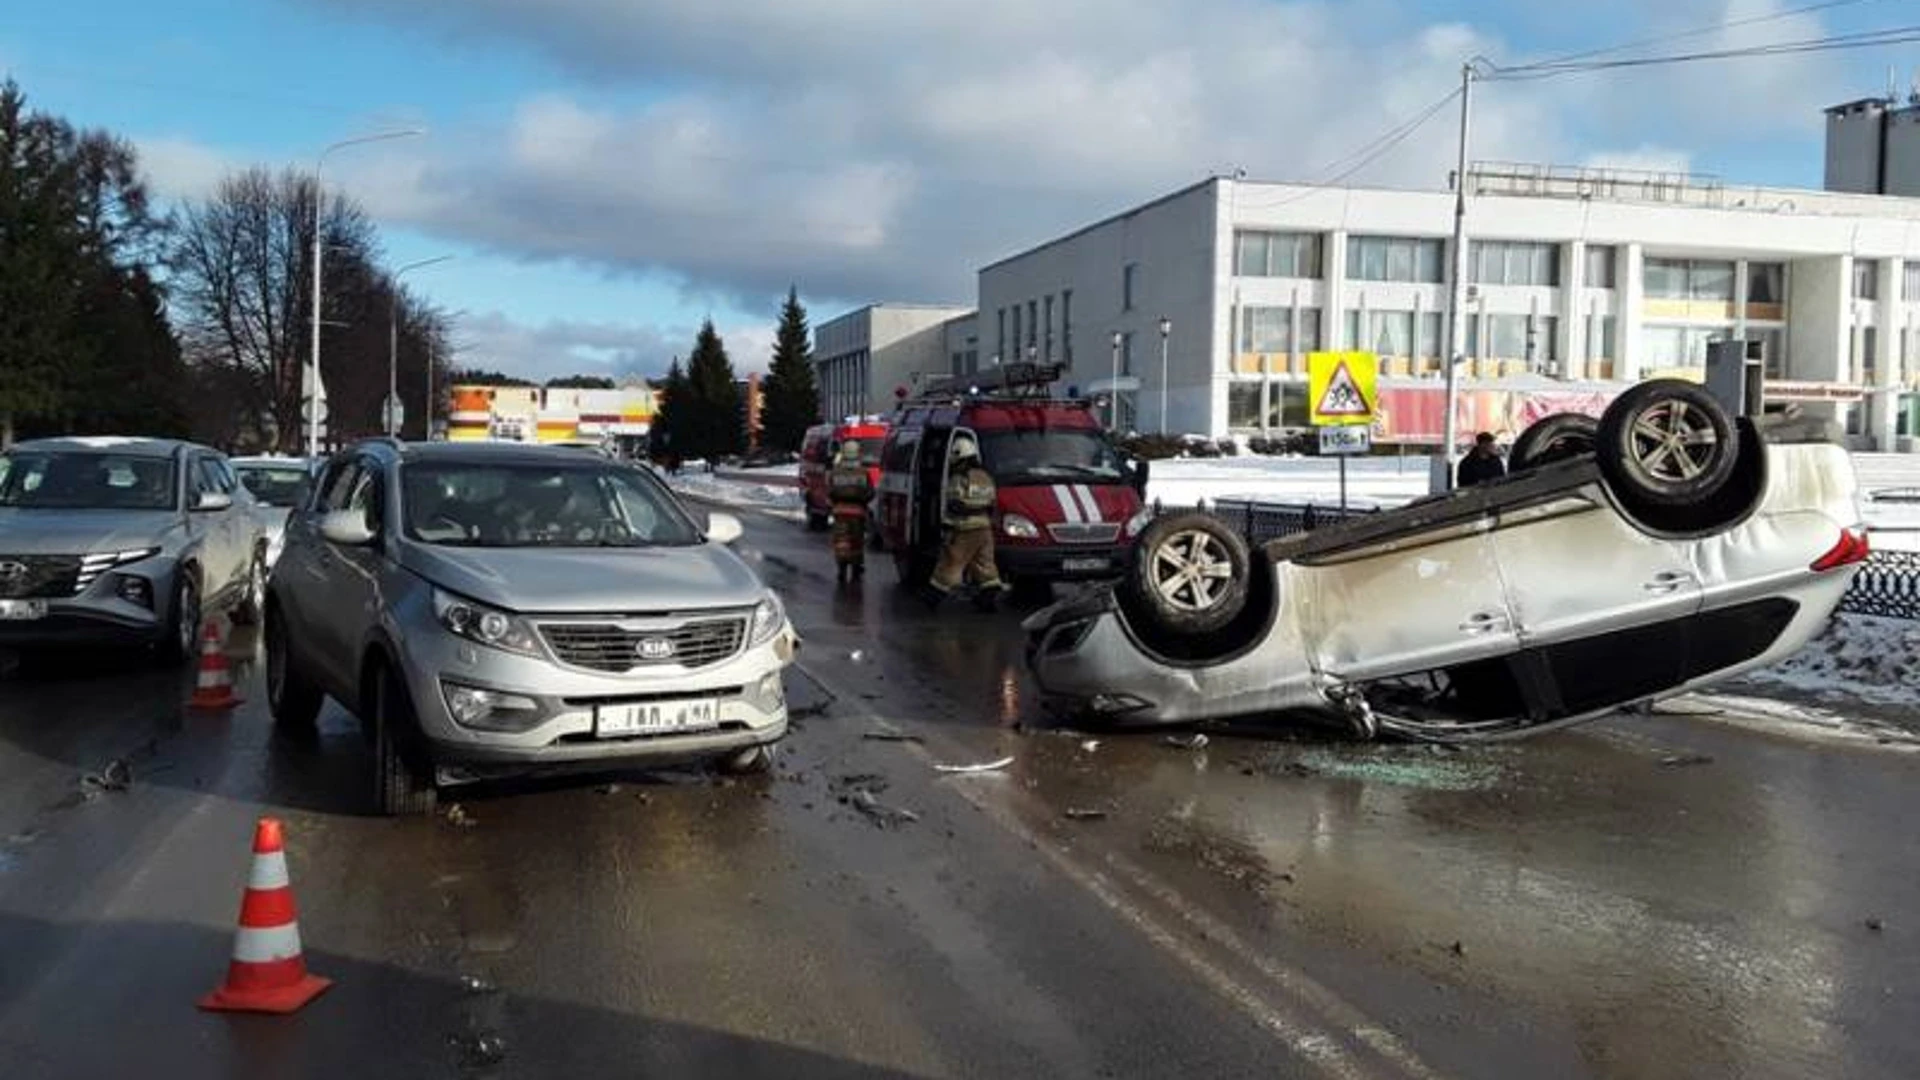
(714, 423)
(792, 397)
(663, 436)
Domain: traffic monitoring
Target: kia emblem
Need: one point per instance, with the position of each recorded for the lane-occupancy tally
(655, 648)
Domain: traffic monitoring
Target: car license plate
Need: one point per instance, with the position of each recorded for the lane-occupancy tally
(1074, 565)
(22, 610)
(656, 717)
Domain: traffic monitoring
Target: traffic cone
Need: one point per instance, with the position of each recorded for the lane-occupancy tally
(267, 973)
(213, 687)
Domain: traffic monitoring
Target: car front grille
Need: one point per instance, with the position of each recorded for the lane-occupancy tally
(624, 646)
(1092, 533)
(34, 576)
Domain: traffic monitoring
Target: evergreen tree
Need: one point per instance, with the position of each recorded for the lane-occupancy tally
(792, 397)
(714, 424)
(663, 435)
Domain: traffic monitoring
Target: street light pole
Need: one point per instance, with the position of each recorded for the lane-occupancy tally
(1113, 388)
(393, 347)
(1457, 295)
(319, 205)
(1166, 328)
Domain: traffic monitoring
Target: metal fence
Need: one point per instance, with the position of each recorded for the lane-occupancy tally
(1888, 585)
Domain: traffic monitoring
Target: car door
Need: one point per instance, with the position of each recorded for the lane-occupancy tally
(242, 518)
(212, 528)
(899, 465)
(328, 600)
(1404, 605)
(1607, 605)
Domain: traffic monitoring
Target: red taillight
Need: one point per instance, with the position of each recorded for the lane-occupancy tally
(1852, 548)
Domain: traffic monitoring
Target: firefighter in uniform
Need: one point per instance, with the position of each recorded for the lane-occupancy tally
(967, 548)
(849, 491)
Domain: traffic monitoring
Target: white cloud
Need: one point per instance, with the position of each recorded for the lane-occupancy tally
(178, 168)
(494, 342)
(1654, 159)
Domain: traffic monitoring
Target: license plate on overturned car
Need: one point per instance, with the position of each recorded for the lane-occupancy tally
(1080, 565)
(22, 610)
(656, 717)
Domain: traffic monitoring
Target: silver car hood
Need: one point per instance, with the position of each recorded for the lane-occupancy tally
(611, 580)
(82, 532)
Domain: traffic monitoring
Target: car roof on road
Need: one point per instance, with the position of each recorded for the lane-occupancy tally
(114, 444)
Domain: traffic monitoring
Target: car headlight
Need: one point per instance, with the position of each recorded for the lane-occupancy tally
(768, 617)
(489, 710)
(485, 625)
(1019, 526)
(1139, 520)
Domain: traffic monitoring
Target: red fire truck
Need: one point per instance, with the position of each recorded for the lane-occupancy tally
(817, 451)
(1070, 501)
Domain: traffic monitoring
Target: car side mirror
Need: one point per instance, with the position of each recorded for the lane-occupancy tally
(1140, 470)
(347, 528)
(212, 501)
(723, 528)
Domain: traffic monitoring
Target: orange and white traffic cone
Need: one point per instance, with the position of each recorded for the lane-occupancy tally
(267, 973)
(213, 686)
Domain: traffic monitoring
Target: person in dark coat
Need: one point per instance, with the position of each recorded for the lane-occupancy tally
(1482, 464)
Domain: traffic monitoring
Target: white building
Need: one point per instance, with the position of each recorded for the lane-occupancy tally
(1582, 274)
(862, 357)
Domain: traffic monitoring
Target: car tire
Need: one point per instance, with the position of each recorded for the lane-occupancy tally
(1188, 575)
(292, 699)
(180, 641)
(1667, 442)
(401, 788)
(753, 761)
(1553, 438)
(247, 611)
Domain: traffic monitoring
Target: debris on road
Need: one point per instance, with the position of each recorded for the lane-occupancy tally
(1089, 745)
(981, 767)
(891, 736)
(878, 812)
(474, 984)
(117, 776)
(1196, 741)
(1081, 813)
(457, 815)
(1681, 761)
(479, 1049)
(608, 789)
(858, 656)
(1874, 924)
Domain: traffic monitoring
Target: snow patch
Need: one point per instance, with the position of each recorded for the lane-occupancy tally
(781, 502)
(1860, 657)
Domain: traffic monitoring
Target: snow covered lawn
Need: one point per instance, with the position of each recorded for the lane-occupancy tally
(1862, 657)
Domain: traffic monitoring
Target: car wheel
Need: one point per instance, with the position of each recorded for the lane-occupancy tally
(254, 600)
(399, 787)
(1667, 443)
(1553, 438)
(1189, 573)
(291, 698)
(753, 761)
(182, 636)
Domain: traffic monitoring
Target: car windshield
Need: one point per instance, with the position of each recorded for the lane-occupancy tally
(1040, 456)
(559, 505)
(869, 450)
(84, 480)
(274, 485)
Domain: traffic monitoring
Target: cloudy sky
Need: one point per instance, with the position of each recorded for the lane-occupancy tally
(609, 172)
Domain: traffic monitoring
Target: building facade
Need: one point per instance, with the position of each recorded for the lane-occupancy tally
(1581, 275)
(862, 357)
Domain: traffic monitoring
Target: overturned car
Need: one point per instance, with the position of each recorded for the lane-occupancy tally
(1666, 546)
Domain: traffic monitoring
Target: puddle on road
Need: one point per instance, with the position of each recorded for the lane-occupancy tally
(1412, 767)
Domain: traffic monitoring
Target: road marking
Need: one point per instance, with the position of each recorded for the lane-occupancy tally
(1319, 1043)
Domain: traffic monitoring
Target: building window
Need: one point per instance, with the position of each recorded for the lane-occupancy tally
(1245, 404)
(1688, 279)
(1866, 279)
(1910, 288)
(1033, 323)
(1000, 342)
(1511, 263)
(1066, 327)
(1431, 340)
(1126, 353)
(1766, 283)
(1049, 334)
(1530, 338)
(1277, 254)
(1663, 347)
(1601, 344)
(1395, 258)
(1866, 357)
(1600, 266)
(1270, 330)
(1386, 333)
(1129, 277)
(1014, 356)
(1773, 352)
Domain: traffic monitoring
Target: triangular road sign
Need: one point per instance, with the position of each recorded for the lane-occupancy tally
(1342, 396)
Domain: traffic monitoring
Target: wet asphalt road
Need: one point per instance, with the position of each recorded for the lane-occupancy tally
(1599, 903)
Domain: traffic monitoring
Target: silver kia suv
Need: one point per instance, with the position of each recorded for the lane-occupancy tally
(490, 608)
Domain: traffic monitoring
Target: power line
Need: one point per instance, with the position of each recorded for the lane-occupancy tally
(1664, 39)
(1898, 35)
(1365, 155)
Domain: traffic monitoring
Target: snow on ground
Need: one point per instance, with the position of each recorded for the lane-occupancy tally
(1860, 657)
(1373, 481)
(778, 499)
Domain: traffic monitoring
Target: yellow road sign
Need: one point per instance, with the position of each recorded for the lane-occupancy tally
(1342, 388)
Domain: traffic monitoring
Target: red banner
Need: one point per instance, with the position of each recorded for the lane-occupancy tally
(1417, 413)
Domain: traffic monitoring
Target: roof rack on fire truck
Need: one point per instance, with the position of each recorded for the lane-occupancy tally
(1020, 379)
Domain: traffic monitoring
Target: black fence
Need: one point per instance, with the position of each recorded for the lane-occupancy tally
(1888, 585)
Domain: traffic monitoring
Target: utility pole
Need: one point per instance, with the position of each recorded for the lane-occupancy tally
(1457, 294)
(393, 352)
(1113, 388)
(1166, 328)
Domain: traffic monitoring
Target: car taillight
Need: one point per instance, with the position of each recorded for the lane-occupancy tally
(1852, 548)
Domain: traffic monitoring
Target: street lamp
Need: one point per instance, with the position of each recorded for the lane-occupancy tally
(1166, 328)
(393, 349)
(1113, 388)
(319, 203)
